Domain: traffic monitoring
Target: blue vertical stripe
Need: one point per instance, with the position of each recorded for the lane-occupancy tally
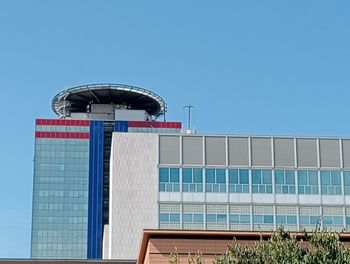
(95, 225)
(121, 126)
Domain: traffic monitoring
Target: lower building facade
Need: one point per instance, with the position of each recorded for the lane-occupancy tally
(208, 182)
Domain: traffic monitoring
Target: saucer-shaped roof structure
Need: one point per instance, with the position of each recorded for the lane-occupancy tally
(77, 99)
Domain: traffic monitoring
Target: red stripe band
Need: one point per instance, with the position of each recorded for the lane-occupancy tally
(48, 134)
(155, 124)
(62, 122)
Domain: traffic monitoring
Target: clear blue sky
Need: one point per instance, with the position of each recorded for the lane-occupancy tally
(251, 67)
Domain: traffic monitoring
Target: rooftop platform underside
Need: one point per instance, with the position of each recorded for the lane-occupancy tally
(78, 99)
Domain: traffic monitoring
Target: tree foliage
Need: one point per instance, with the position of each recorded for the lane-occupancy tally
(319, 247)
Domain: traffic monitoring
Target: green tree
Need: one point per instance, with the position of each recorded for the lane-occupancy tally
(174, 257)
(319, 247)
(196, 258)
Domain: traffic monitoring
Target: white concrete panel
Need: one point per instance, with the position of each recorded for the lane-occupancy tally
(175, 197)
(133, 192)
(164, 196)
(333, 199)
(286, 199)
(347, 199)
(263, 198)
(240, 198)
(169, 197)
(193, 197)
(309, 199)
(216, 197)
(105, 245)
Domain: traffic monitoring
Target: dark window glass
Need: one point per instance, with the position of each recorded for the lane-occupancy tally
(164, 217)
(325, 179)
(220, 176)
(187, 217)
(233, 176)
(268, 219)
(244, 176)
(187, 175)
(267, 176)
(197, 176)
(347, 178)
(163, 175)
(256, 175)
(245, 219)
(211, 218)
(234, 218)
(198, 218)
(279, 177)
(221, 218)
(291, 219)
(313, 178)
(313, 220)
(290, 179)
(335, 175)
(174, 217)
(210, 176)
(302, 177)
(174, 175)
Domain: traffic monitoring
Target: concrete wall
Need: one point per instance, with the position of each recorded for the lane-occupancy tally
(133, 192)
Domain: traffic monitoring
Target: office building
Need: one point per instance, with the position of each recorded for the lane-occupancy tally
(97, 187)
(71, 164)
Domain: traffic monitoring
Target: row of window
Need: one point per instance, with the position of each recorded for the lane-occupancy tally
(62, 128)
(239, 181)
(60, 206)
(59, 193)
(256, 218)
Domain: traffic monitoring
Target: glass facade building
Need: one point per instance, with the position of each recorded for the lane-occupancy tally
(61, 189)
(71, 178)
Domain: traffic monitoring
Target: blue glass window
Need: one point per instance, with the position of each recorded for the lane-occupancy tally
(169, 217)
(234, 218)
(187, 217)
(169, 180)
(285, 181)
(174, 217)
(239, 218)
(192, 180)
(215, 180)
(187, 175)
(211, 218)
(347, 219)
(198, 218)
(346, 182)
(258, 219)
(216, 218)
(221, 218)
(308, 219)
(332, 220)
(191, 217)
(286, 219)
(263, 219)
(238, 180)
(261, 181)
(163, 175)
(330, 182)
(307, 182)
(164, 217)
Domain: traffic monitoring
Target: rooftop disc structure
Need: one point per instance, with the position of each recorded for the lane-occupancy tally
(108, 102)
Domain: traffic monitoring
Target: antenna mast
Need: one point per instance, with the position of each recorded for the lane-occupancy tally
(189, 107)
